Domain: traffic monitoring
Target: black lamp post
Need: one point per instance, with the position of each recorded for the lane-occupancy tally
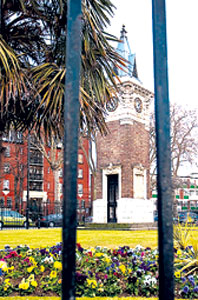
(28, 180)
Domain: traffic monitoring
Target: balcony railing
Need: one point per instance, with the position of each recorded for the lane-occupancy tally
(36, 161)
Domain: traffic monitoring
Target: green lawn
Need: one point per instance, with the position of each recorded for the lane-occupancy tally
(49, 237)
(83, 298)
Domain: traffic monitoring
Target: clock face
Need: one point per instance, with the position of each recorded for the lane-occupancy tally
(112, 104)
(138, 105)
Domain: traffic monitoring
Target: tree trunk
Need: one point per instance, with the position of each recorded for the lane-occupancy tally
(56, 191)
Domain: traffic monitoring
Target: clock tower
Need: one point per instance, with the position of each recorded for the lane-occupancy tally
(122, 180)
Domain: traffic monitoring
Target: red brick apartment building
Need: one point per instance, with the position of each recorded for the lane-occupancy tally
(42, 185)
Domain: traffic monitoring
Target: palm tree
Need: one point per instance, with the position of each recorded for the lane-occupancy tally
(99, 60)
(32, 78)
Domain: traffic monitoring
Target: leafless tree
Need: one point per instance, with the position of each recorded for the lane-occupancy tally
(184, 141)
(54, 157)
(17, 166)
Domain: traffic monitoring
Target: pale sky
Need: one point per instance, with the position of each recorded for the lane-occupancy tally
(182, 39)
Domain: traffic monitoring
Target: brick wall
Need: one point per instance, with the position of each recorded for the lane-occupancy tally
(127, 146)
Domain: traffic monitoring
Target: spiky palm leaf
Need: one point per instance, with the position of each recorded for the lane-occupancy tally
(14, 87)
(189, 264)
(181, 235)
(21, 39)
(98, 79)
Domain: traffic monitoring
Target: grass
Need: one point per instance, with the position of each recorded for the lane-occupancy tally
(49, 237)
(83, 298)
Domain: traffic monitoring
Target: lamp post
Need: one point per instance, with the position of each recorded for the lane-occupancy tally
(28, 178)
(71, 118)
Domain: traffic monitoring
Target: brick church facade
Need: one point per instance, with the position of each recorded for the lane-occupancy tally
(122, 180)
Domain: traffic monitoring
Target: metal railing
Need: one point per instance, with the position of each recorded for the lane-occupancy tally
(46, 215)
(165, 226)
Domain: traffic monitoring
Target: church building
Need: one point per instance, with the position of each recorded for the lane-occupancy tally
(122, 180)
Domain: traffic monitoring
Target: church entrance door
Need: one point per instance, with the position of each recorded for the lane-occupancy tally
(112, 196)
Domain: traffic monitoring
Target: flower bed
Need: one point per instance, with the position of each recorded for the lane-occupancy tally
(99, 272)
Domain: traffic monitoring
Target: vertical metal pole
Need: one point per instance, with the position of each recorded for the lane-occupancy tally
(164, 183)
(71, 115)
(28, 181)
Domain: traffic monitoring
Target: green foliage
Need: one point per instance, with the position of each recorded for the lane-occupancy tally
(186, 243)
(34, 33)
(181, 235)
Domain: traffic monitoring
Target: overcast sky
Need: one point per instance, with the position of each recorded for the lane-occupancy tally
(182, 38)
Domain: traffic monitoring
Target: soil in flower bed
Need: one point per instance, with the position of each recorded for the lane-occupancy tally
(100, 272)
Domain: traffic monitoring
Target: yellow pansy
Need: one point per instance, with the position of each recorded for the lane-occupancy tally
(129, 271)
(24, 285)
(29, 252)
(92, 283)
(3, 265)
(34, 283)
(30, 269)
(53, 274)
(42, 268)
(106, 259)
(177, 274)
(7, 282)
(122, 269)
(60, 281)
(31, 277)
(33, 260)
(179, 252)
(99, 254)
(58, 265)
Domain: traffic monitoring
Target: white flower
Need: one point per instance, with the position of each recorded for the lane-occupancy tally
(150, 280)
(49, 260)
(139, 247)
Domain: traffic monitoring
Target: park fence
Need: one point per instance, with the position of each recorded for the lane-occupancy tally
(71, 119)
(43, 216)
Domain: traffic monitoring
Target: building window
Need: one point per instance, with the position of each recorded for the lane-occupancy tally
(21, 150)
(48, 186)
(9, 202)
(7, 151)
(80, 189)
(48, 170)
(83, 204)
(192, 192)
(36, 186)
(6, 168)
(80, 158)
(6, 184)
(80, 173)
(2, 202)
